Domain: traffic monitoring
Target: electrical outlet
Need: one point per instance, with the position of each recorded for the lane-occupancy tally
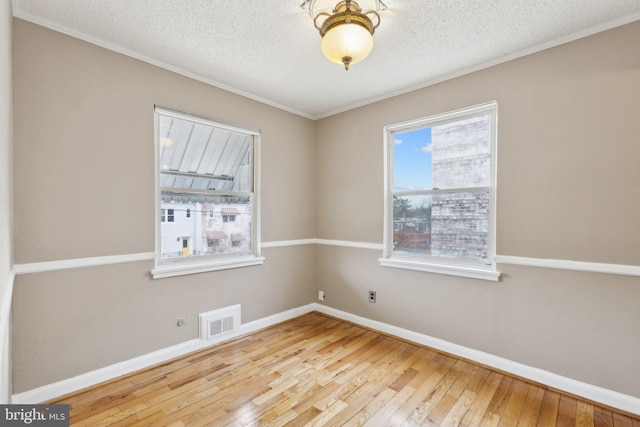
(181, 321)
(372, 296)
(321, 295)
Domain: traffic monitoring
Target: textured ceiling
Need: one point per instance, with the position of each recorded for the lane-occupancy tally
(269, 49)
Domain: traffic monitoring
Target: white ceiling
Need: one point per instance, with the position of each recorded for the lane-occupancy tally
(269, 50)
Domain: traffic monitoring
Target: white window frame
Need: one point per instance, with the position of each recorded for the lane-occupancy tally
(454, 267)
(182, 266)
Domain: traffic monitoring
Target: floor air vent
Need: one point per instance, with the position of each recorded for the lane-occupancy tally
(221, 322)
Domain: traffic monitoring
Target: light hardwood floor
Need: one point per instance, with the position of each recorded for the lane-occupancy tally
(316, 370)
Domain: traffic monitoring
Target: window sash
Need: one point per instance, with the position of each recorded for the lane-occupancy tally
(168, 267)
(433, 231)
(441, 191)
(417, 262)
(212, 214)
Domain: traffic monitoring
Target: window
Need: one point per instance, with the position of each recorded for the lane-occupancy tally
(229, 214)
(208, 170)
(167, 215)
(440, 193)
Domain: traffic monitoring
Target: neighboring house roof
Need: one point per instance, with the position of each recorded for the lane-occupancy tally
(230, 211)
(216, 234)
(237, 237)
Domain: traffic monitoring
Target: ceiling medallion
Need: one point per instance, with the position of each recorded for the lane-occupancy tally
(346, 28)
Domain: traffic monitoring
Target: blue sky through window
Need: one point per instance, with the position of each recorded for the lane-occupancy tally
(412, 160)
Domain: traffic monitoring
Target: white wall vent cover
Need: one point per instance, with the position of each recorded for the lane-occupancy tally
(217, 323)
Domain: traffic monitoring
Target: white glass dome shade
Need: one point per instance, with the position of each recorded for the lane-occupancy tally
(347, 44)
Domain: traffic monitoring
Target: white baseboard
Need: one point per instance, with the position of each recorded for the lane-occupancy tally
(265, 322)
(79, 382)
(601, 395)
(89, 379)
(597, 394)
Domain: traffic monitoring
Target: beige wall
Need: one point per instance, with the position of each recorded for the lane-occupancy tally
(568, 156)
(84, 187)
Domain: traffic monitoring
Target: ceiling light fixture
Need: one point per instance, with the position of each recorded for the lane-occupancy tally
(346, 28)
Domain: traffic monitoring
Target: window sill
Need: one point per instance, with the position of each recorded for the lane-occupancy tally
(183, 268)
(474, 272)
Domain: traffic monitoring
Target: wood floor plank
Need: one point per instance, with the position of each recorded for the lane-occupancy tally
(441, 409)
(320, 371)
(282, 411)
(481, 403)
(350, 411)
(412, 412)
(498, 402)
(247, 413)
(461, 383)
(371, 408)
(328, 413)
(325, 393)
(379, 375)
(603, 417)
(549, 408)
(431, 407)
(566, 411)
(304, 417)
(515, 405)
(584, 415)
(137, 422)
(460, 408)
(385, 414)
(531, 410)
(620, 420)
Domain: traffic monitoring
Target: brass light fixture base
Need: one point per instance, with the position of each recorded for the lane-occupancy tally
(346, 60)
(347, 13)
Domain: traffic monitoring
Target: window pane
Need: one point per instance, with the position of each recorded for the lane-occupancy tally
(412, 160)
(412, 224)
(450, 225)
(462, 153)
(202, 157)
(205, 232)
(460, 226)
(452, 155)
